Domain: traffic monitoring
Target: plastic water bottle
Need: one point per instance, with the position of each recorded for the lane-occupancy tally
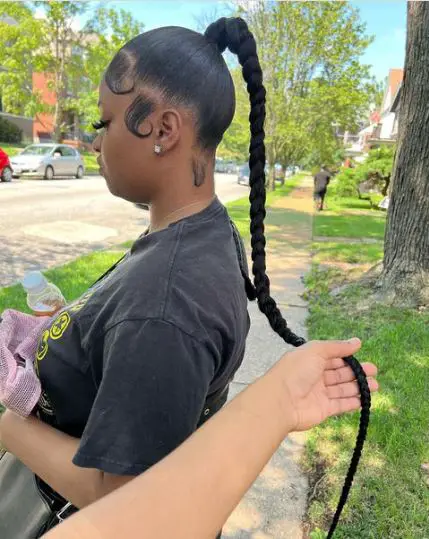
(43, 297)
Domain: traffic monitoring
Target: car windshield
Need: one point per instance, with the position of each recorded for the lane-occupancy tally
(245, 170)
(37, 150)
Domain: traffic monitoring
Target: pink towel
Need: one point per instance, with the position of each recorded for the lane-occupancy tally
(19, 336)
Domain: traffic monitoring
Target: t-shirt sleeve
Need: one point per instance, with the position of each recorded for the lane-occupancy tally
(154, 384)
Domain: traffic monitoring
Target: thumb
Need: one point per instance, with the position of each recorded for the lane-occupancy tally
(335, 349)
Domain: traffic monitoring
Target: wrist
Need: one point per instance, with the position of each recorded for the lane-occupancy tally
(3, 426)
(283, 408)
(286, 405)
(7, 425)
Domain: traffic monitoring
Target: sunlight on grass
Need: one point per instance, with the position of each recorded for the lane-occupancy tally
(239, 209)
(73, 279)
(342, 219)
(389, 497)
(352, 253)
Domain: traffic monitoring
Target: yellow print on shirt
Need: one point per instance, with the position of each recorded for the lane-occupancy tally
(81, 302)
(60, 325)
(42, 348)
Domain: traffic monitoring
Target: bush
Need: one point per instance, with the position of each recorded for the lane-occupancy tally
(9, 132)
(346, 183)
(373, 175)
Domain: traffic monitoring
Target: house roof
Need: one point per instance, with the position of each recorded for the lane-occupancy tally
(395, 104)
(394, 80)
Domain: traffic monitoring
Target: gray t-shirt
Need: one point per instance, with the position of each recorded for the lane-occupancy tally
(129, 366)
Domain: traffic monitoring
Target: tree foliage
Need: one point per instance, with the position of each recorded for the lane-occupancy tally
(315, 82)
(372, 175)
(9, 132)
(42, 37)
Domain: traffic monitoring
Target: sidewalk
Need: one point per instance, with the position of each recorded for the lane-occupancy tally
(275, 505)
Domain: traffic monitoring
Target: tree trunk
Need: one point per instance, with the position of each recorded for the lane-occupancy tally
(270, 180)
(405, 276)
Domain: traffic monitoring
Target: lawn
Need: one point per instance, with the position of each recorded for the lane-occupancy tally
(239, 209)
(352, 253)
(11, 149)
(389, 497)
(344, 218)
(73, 279)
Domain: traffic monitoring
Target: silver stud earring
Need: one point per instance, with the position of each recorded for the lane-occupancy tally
(157, 149)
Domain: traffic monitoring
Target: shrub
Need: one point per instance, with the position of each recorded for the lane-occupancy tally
(373, 175)
(9, 132)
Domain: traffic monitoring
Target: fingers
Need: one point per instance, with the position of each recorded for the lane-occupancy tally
(349, 389)
(342, 406)
(342, 373)
(335, 349)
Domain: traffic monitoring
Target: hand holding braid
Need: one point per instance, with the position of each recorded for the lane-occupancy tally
(235, 35)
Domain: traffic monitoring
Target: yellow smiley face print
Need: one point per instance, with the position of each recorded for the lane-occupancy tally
(60, 325)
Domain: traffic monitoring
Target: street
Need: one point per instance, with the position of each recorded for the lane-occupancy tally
(45, 224)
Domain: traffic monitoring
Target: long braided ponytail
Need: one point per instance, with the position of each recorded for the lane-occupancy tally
(234, 34)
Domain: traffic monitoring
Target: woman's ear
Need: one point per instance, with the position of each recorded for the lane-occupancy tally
(169, 130)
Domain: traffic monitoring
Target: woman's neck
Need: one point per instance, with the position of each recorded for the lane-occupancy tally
(182, 198)
(162, 215)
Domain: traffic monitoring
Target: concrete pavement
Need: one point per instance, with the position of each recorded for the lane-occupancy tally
(46, 224)
(273, 508)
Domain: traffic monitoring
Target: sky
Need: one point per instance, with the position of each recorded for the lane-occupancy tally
(386, 20)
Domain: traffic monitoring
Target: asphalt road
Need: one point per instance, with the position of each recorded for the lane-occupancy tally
(45, 224)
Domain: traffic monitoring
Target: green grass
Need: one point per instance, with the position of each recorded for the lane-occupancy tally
(352, 253)
(239, 209)
(11, 149)
(90, 160)
(389, 497)
(335, 203)
(73, 279)
(342, 219)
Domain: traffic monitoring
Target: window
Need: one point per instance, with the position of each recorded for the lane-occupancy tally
(68, 152)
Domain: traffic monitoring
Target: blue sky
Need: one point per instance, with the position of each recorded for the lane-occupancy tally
(386, 20)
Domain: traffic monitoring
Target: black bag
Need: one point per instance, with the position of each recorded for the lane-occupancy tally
(26, 510)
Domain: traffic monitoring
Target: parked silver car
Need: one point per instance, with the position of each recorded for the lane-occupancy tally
(48, 161)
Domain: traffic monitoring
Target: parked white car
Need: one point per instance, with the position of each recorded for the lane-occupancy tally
(48, 161)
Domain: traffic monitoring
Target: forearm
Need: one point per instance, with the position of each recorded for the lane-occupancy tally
(200, 483)
(49, 454)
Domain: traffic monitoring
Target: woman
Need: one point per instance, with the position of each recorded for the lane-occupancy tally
(301, 390)
(142, 359)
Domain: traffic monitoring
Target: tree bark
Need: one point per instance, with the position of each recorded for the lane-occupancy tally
(405, 276)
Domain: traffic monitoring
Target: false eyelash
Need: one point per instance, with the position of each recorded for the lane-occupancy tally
(100, 124)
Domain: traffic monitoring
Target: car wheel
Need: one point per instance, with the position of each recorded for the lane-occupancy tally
(79, 173)
(6, 175)
(49, 173)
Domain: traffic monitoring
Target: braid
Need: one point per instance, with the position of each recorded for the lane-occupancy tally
(234, 34)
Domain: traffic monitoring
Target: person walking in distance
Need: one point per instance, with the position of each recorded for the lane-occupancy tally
(321, 181)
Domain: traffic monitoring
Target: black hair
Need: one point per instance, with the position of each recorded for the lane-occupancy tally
(188, 69)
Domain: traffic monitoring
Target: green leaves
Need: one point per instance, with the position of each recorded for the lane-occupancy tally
(310, 54)
(42, 37)
(373, 174)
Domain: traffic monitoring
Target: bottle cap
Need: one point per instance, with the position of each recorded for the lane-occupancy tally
(34, 282)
